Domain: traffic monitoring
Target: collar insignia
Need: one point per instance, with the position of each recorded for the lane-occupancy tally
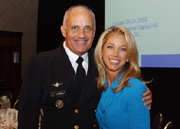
(57, 84)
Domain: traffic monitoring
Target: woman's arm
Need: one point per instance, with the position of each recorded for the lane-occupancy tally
(138, 114)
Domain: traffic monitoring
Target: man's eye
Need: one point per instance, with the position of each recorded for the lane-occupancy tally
(88, 29)
(74, 28)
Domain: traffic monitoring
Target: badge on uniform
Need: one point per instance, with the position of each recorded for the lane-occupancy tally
(52, 94)
(60, 93)
(59, 104)
(57, 84)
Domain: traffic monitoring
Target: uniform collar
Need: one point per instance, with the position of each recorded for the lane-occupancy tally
(73, 57)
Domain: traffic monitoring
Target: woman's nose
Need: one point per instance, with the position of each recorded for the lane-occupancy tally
(116, 52)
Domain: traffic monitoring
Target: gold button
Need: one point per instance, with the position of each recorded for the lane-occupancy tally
(76, 111)
(94, 125)
(76, 127)
(95, 110)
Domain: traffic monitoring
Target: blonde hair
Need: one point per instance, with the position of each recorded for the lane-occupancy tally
(130, 69)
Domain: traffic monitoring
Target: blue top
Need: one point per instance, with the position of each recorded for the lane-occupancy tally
(124, 109)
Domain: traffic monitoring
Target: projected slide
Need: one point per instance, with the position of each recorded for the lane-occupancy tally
(155, 25)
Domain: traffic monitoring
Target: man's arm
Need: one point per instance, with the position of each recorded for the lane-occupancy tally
(30, 97)
(147, 96)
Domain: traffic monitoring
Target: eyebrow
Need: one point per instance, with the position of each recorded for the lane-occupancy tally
(113, 44)
(79, 26)
(89, 26)
(74, 26)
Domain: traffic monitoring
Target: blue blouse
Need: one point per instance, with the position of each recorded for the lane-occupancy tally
(124, 109)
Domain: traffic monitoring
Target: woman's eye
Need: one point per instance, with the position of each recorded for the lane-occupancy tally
(109, 46)
(124, 49)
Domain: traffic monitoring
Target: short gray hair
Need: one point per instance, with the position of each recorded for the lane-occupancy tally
(84, 6)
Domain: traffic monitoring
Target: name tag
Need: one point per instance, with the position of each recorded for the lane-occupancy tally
(61, 93)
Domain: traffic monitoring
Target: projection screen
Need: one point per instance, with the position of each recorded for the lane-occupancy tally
(155, 25)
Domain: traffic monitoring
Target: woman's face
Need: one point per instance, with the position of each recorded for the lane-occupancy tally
(114, 53)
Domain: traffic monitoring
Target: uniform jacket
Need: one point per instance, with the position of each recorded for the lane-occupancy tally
(40, 89)
(124, 109)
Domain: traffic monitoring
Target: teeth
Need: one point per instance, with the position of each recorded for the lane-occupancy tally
(81, 41)
(114, 61)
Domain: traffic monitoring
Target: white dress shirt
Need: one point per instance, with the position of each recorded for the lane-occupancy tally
(73, 57)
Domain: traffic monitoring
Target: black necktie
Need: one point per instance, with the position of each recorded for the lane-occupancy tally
(80, 71)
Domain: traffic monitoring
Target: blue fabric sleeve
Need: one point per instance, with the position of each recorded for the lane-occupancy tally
(138, 114)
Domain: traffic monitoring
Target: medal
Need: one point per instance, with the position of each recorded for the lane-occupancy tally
(59, 104)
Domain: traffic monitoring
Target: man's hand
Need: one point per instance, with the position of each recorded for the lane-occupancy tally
(147, 96)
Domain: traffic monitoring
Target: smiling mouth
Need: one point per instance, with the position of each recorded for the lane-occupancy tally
(81, 41)
(114, 61)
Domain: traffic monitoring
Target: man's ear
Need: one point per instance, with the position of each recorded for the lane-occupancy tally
(94, 30)
(63, 31)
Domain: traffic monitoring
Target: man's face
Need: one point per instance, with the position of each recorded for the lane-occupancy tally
(79, 32)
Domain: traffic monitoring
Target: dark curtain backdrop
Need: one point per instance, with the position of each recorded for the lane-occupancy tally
(166, 84)
(166, 93)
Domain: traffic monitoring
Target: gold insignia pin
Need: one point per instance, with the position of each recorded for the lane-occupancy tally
(57, 84)
(53, 94)
(59, 104)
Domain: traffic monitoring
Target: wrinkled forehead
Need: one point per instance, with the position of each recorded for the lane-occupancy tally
(80, 15)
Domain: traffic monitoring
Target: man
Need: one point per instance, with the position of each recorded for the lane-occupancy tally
(50, 81)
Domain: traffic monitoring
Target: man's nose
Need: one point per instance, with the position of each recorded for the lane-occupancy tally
(81, 33)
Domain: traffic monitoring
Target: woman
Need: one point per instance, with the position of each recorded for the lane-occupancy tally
(121, 105)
